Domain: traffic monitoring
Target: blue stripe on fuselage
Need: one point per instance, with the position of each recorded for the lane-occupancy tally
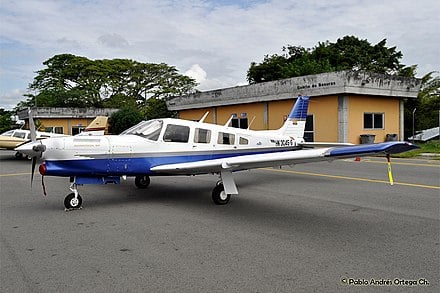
(132, 166)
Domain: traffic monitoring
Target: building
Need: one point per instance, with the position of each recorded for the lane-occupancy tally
(69, 121)
(345, 106)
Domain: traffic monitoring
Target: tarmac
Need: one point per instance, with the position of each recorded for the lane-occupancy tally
(319, 227)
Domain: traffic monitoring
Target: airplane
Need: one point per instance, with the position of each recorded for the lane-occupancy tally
(166, 147)
(11, 139)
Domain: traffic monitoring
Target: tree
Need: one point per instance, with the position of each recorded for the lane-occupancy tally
(157, 108)
(348, 53)
(124, 119)
(427, 105)
(74, 81)
(6, 122)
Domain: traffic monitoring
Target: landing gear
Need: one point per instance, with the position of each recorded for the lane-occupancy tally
(18, 155)
(142, 182)
(73, 201)
(225, 187)
(219, 195)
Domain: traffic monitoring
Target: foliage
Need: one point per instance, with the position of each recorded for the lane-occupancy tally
(427, 106)
(432, 147)
(156, 108)
(74, 81)
(351, 53)
(348, 53)
(6, 122)
(124, 119)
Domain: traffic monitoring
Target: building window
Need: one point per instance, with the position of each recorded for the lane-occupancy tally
(176, 133)
(54, 129)
(77, 129)
(226, 138)
(240, 122)
(202, 135)
(373, 120)
(309, 133)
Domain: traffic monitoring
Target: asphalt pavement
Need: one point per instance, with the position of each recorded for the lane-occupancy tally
(320, 227)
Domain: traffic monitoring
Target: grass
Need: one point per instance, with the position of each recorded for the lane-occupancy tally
(425, 147)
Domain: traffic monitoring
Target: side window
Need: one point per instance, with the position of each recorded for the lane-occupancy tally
(244, 140)
(176, 133)
(226, 138)
(20, 134)
(202, 135)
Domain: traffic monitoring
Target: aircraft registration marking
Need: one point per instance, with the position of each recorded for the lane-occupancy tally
(283, 142)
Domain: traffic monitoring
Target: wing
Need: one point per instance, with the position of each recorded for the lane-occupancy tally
(283, 158)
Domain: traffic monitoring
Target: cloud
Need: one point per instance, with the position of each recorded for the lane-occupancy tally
(113, 41)
(11, 98)
(221, 37)
(201, 78)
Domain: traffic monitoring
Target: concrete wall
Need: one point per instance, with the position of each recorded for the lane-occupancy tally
(358, 105)
(325, 84)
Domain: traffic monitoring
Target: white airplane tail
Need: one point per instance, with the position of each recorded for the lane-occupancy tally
(296, 121)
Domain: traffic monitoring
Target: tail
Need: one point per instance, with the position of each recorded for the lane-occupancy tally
(98, 124)
(296, 122)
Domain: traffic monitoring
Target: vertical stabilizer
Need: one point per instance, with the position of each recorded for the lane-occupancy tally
(296, 122)
(98, 124)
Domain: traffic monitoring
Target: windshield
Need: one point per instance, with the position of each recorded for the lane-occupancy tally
(147, 129)
(8, 133)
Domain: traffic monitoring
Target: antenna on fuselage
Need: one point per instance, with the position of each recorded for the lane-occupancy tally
(204, 117)
(229, 121)
(252, 121)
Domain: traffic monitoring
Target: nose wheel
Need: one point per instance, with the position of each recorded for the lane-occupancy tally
(73, 201)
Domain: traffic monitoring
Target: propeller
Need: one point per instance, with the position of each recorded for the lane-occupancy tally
(33, 139)
(34, 148)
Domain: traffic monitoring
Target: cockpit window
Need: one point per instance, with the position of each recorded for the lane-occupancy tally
(176, 133)
(8, 133)
(147, 129)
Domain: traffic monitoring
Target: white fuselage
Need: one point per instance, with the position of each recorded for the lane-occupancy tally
(217, 140)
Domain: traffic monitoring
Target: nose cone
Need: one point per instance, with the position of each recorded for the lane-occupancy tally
(33, 148)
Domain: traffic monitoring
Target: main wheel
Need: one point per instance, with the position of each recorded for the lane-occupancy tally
(142, 181)
(18, 155)
(70, 202)
(219, 196)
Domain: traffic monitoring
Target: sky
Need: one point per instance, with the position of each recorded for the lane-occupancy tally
(211, 41)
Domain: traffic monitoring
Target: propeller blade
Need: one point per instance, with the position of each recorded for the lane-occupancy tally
(32, 126)
(34, 163)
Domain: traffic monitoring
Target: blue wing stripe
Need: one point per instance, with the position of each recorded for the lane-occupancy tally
(392, 147)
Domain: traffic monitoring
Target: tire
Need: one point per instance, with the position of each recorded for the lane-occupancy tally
(219, 196)
(142, 182)
(71, 203)
(18, 155)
